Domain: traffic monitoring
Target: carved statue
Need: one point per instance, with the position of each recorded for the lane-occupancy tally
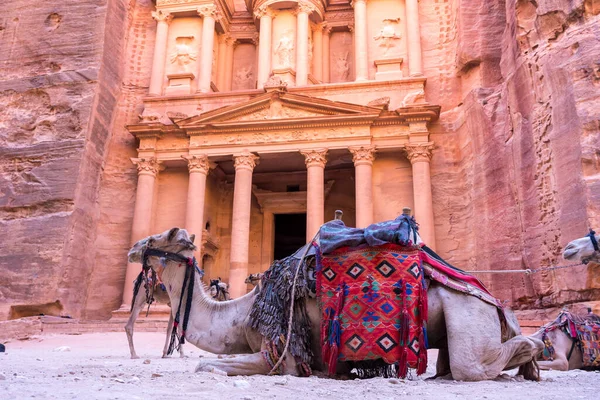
(342, 66)
(416, 97)
(183, 54)
(310, 50)
(285, 49)
(242, 76)
(387, 34)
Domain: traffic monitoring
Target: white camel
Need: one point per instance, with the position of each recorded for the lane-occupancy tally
(567, 355)
(157, 291)
(466, 330)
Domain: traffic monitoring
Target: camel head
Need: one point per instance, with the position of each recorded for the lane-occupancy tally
(253, 279)
(584, 249)
(174, 240)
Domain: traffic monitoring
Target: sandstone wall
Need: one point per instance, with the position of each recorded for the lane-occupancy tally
(518, 177)
(60, 65)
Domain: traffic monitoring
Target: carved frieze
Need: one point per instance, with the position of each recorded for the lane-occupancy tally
(419, 152)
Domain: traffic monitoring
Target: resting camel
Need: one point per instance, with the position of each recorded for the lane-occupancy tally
(219, 290)
(157, 291)
(253, 279)
(466, 330)
(567, 355)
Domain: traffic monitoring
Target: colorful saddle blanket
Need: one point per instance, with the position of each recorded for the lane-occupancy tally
(373, 302)
(589, 337)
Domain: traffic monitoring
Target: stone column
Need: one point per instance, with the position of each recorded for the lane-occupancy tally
(315, 190)
(363, 157)
(317, 66)
(264, 50)
(231, 43)
(142, 215)
(240, 225)
(302, 12)
(209, 14)
(198, 167)
(413, 37)
(326, 36)
(222, 64)
(160, 51)
(360, 40)
(419, 156)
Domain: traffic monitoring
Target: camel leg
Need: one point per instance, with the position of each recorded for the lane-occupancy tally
(251, 364)
(139, 302)
(442, 366)
(168, 339)
(559, 364)
(474, 340)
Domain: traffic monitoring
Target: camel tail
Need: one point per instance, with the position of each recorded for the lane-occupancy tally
(136, 288)
(530, 371)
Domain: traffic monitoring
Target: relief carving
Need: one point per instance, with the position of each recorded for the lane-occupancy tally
(149, 116)
(243, 77)
(285, 49)
(387, 34)
(342, 66)
(183, 55)
(416, 97)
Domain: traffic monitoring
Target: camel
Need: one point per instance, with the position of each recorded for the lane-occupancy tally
(253, 279)
(566, 352)
(219, 290)
(158, 293)
(567, 355)
(584, 249)
(466, 330)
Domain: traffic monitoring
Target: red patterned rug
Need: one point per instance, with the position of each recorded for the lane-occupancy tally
(374, 306)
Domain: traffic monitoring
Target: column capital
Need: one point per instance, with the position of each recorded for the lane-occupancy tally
(418, 152)
(162, 16)
(231, 41)
(363, 155)
(315, 158)
(327, 29)
(350, 27)
(209, 11)
(255, 38)
(245, 161)
(147, 166)
(263, 11)
(356, 1)
(319, 27)
(197, 163)
(305, 7)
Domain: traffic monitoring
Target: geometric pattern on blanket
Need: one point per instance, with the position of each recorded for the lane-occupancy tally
(373, 304)
(589, 339)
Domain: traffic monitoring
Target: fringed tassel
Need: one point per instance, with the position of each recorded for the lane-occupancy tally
(173, 339)
(333, 333)
(422, 361)
(404, 335)
(572, 329)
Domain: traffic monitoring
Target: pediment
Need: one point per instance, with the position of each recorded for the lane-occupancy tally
(277, 107)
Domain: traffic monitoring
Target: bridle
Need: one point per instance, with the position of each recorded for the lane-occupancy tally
(188, 282)
(596, 254)
(218, 288)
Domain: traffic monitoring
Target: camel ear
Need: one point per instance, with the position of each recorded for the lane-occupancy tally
(172, 233)
(192, 237)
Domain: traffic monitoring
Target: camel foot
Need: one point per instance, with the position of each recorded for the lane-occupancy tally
(445, 377)
(211, 369)
(134, 357)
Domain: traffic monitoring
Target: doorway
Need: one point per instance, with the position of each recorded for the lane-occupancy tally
(290, 234)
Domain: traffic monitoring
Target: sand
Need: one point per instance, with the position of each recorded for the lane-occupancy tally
(97, 366)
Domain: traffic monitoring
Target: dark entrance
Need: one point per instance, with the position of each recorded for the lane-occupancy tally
(290, 234)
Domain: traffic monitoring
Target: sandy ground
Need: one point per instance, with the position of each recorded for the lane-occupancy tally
(97, 366)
